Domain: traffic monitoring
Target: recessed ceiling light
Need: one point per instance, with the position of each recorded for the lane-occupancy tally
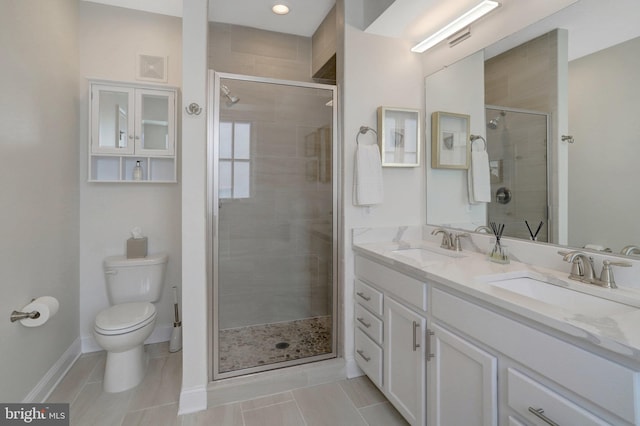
(280, 9)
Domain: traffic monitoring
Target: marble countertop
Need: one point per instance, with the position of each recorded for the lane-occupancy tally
(470, 274)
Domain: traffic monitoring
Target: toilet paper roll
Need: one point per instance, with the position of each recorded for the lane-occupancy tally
(47, 306)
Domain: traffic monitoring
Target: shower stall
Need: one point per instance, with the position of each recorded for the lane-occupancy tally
(272, 223)
(517, 144)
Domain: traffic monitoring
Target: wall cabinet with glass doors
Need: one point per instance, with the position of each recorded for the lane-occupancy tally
(132, 127)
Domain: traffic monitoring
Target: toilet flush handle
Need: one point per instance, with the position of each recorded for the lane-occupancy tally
(111, 272)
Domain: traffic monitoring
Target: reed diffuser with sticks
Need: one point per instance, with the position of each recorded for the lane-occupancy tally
(497, 252)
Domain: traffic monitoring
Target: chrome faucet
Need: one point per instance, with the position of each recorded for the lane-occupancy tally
(447, 238)
(483, 228)
(630, 250)
(582, 268)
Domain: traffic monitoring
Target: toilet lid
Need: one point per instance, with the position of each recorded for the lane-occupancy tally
(125, 317)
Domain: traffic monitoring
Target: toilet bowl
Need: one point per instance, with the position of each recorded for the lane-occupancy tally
(133, 285)
(121, 330)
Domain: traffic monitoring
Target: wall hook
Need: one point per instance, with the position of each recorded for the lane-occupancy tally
(193, 109)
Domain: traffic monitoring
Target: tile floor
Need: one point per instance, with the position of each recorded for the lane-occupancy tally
(154, 402)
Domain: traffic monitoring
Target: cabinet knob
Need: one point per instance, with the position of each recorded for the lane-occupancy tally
(130, 136)
(137, 138)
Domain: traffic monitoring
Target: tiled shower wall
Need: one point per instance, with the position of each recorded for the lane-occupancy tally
(251, 51)
(275, 246)
(524, 77)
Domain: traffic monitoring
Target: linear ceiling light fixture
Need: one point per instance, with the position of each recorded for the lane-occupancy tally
(463, 21)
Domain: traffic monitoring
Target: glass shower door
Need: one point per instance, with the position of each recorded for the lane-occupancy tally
(517, 147)
(275, 245)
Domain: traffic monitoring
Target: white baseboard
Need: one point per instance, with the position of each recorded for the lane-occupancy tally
(50, 380)
(193, 400)
(162, 333)
(352, 368)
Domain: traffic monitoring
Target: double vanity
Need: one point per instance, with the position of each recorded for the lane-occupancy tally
(451, 338)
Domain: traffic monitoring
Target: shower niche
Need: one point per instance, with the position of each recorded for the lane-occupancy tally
(132, 125)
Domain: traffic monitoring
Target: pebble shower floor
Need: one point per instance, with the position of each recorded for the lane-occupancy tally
(264, 344)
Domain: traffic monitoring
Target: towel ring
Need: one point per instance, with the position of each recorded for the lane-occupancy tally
(363, 130)
(475, 138)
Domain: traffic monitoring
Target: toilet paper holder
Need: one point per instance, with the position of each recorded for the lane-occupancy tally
(17, 315)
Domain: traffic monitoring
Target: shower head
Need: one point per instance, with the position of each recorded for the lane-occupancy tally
(493, 124)
(231, 99)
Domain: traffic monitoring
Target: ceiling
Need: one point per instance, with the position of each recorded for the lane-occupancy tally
(414, 19)
(303, 19)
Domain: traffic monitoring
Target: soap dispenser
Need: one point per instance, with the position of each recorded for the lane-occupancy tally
(137, 171)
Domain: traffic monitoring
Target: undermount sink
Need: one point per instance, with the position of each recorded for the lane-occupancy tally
(422, 254)
(533, 287)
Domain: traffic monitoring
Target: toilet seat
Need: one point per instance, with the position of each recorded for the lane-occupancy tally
(125, 318)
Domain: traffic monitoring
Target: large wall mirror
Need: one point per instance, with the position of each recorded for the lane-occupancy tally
(591, 197)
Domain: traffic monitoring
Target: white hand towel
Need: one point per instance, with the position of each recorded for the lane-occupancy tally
(368, 176)
(478, 177)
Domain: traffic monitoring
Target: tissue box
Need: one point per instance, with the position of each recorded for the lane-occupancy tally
(136, 248)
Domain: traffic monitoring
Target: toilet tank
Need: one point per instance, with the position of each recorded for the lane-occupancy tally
(135, 280)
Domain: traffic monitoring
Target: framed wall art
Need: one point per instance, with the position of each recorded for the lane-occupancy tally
(450, 147)
(399, 136)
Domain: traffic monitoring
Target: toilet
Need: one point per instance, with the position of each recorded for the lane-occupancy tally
(132, 286)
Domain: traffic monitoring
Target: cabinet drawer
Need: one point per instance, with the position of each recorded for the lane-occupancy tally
(369, 357)
(524, 394)
(574, 368)
(369, 297)
(401, 286)
(368, 323)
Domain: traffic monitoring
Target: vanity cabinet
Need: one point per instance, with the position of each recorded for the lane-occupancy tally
(444, 357)
(463, 385)
(129, 124)
(391, 338)
(543, 378)
(405, 360)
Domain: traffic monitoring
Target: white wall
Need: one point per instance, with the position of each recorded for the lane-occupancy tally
(38, 186)
(110, 38)
(603, 161)
(196, 319)
(458, 88)
(376, 71)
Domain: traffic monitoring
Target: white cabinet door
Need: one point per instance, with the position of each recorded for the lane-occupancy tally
(404, 360)
(463, 388)
(112, 119)
(155, 124)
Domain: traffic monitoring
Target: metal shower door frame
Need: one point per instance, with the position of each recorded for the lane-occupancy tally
(213, 157)
(550, 160)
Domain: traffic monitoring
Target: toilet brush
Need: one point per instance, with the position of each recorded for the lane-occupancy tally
(175, 344)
